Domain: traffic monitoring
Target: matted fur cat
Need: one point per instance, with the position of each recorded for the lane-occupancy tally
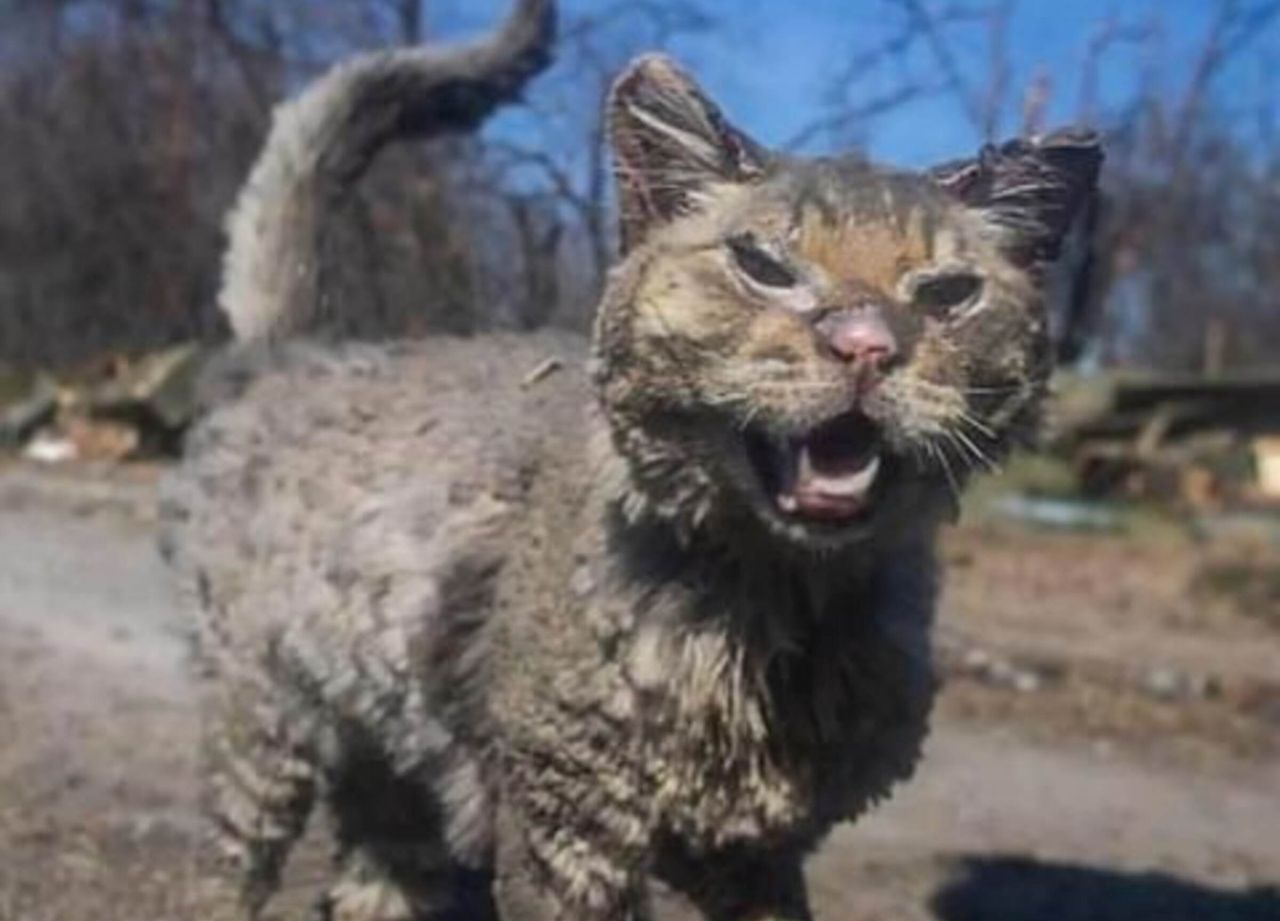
(663, 611)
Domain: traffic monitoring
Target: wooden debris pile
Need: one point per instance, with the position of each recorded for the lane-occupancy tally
(119, 409)
(1202, 441)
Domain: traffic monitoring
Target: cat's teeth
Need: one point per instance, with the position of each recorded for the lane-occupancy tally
(845, 485)
(805, 473)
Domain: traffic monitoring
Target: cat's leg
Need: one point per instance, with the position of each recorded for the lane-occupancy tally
(388, 881)
(549, 870)
(260, 783)
(741, 885)
(400, 882)
(393, 860)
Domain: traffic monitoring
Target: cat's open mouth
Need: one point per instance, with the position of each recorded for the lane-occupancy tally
(827, 474)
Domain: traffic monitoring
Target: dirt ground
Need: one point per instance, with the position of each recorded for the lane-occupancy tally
(1106, 748)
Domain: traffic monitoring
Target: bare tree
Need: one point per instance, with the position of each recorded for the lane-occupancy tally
(559, 170)
(1189, 197)
(1177, 261)
(129, 124)
(918, 52)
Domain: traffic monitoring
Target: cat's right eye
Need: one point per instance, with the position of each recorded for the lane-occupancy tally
(758, 264)
(944, 293)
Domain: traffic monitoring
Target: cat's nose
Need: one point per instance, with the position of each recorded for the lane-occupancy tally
(860, 337)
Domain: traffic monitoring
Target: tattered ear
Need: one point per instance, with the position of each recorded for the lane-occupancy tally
(669, 143)
(1033, 188)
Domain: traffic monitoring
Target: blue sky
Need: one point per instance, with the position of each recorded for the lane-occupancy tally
(770, 62)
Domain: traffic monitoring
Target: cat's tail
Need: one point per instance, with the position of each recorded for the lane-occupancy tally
(322, 141)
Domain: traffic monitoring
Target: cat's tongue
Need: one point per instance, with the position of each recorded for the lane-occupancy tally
(835, 468)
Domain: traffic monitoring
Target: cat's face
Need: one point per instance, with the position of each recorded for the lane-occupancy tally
(827, 346)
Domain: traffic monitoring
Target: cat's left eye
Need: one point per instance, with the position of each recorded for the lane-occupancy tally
(758, 264)
(945, 293)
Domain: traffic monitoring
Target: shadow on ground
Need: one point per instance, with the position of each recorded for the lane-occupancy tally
(996, 888)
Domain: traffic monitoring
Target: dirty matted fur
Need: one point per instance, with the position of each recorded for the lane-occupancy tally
(536, 619)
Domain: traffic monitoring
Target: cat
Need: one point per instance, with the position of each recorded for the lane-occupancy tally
(539, 618)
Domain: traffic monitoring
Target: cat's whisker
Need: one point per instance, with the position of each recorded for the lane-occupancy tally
(982, 458)
(984, 391)
(962, 439)
(977, 424)
(937, 454)
(796, 385)
(964, 457)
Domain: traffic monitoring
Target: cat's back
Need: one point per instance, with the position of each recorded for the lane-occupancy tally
(322, 458)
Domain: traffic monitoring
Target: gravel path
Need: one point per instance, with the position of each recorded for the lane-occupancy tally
(97, 771)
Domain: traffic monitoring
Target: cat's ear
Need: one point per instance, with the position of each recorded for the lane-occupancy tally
(1033, 188)
(670, 145)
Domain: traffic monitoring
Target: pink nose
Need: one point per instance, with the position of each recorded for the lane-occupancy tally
(861, 338)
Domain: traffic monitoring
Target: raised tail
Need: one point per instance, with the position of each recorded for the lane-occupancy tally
(322, 142)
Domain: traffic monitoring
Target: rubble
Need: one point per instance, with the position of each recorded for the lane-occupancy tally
(1024, 674)
(22, 417)
(124, 409)
(999, 671)
(1167, 683)
(1204, 441)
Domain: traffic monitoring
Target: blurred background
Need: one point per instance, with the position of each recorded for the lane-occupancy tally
(1108, 742)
